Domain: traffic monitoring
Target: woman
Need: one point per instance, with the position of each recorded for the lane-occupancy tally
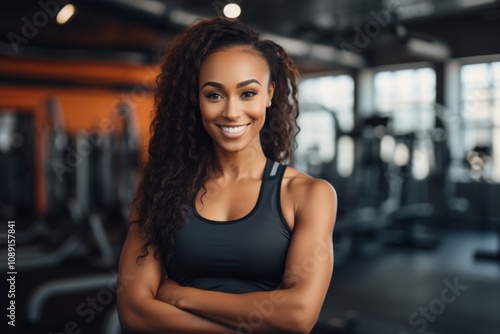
(224, 236)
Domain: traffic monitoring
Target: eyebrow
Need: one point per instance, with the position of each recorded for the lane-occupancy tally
(241, 84)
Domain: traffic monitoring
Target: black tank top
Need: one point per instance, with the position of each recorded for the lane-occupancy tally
(237, 256)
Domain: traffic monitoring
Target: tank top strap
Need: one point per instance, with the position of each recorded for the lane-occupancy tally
(270, 201)
(274, 170)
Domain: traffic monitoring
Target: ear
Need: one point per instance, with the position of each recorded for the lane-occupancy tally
(270, 92)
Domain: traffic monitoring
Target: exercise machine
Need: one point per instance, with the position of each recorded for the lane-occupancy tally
(114, 156)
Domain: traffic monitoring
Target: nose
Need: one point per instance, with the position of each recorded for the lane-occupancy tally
(231, 109)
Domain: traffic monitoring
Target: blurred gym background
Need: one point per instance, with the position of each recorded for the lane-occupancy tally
(400, 103)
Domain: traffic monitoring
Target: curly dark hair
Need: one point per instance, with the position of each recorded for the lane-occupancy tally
(180, 154)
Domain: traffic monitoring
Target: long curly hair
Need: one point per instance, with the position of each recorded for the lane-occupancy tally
(180, 154)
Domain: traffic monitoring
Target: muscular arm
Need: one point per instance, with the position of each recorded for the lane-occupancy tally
(138, 309)
(295, 308)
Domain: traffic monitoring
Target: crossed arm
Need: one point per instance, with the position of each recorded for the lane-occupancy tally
(151, 304)
(138, 309)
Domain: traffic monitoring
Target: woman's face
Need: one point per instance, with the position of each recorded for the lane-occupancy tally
(234, 93)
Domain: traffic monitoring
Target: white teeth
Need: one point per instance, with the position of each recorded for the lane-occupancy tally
(233, 129)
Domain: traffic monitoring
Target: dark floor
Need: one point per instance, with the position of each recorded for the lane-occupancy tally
(386, 287)
(385, 291)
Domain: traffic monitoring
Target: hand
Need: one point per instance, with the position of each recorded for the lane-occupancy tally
(169, 291)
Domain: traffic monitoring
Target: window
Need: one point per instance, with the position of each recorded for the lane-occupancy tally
(335, 93)
(325, 101)
(480, 111)
(408, 96)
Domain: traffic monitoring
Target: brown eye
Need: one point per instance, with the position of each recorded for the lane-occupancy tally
(248, 94)
(213, 96)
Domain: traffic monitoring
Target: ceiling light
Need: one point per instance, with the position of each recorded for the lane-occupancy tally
(65, 14)
(232, 10)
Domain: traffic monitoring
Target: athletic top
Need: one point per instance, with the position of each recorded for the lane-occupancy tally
(237, 256)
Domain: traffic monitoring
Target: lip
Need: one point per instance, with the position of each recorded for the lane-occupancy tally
(233, 135)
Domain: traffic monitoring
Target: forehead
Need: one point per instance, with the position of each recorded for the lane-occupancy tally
(233, 65)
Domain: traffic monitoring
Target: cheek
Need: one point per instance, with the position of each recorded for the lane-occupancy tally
(255, 106)
(208, 110)
(256, 109)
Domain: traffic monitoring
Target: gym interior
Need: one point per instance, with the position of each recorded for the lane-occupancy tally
(399, 111)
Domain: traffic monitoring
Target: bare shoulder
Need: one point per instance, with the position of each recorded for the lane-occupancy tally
(302, 184)
(307, 192)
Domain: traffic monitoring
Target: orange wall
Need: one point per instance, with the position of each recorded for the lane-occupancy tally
(82, 108)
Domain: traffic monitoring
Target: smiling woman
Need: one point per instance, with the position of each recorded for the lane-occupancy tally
(235, 90)
(225, 237)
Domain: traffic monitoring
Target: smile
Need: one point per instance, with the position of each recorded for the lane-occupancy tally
(233, 129)
(233, 132)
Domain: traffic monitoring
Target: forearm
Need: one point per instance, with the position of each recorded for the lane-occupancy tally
(154, 316)
(278, 311)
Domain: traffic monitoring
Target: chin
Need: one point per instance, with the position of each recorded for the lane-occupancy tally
(233, 147)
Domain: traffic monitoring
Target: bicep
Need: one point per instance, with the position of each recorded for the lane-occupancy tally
(138, 278)
(309, 264)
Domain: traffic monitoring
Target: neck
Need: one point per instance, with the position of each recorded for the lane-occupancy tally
(240, 165)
